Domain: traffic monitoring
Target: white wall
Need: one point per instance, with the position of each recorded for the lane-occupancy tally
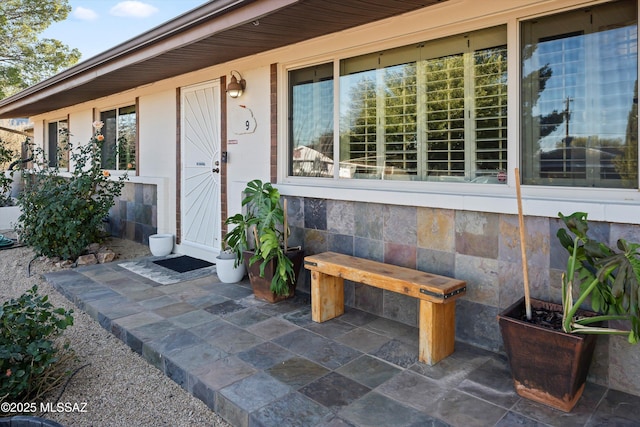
(249, 151)
(157, 127)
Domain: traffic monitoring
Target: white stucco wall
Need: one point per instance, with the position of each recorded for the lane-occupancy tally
(158, 154)
(249, 153)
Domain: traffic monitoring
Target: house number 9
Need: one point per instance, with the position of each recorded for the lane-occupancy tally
(244, 120)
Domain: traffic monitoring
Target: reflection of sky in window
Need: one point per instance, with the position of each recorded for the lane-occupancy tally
(597, 72)
(346, 87)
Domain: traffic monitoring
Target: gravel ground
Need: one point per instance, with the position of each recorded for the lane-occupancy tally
(117, 385)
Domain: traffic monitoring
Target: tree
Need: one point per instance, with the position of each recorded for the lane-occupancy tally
(24, 59)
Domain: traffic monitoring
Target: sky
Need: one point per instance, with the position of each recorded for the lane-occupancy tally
(95, 26)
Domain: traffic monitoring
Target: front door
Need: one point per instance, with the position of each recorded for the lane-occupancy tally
(200, 191)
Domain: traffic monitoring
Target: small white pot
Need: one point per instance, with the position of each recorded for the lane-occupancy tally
(226, 272)
(9, 217)
(161, 244)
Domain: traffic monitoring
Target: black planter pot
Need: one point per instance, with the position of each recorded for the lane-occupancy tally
(548, 366)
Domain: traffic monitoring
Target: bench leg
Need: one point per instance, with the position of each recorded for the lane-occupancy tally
(327, 296)
(437, 331)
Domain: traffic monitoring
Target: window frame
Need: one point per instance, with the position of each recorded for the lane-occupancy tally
(136, 111)
(51, 158)
(417, 160)
(575, 22)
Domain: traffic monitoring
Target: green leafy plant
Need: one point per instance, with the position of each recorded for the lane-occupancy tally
(262, 228)
(29, 355)
(608, 277)
(61, 216)
(5, 180)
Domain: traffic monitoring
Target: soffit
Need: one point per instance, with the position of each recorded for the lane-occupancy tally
(220, 31)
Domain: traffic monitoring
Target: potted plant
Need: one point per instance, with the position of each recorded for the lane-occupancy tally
(550, 346)
(228, 269)
(260, 237)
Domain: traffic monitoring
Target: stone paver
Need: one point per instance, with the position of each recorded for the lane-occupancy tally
(265, 364)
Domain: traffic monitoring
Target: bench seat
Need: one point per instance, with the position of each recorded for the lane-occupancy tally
(437, 295)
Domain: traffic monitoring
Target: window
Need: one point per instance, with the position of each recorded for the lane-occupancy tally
(580, 98)
(436, 111)
(58, 144)
(119, 146)
(311, 121)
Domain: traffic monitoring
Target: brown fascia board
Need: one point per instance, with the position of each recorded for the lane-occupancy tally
(205, 21)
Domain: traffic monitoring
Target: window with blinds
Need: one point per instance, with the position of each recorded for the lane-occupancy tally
(445, 116)
(399, 121)
(490, 94)
(431, 111)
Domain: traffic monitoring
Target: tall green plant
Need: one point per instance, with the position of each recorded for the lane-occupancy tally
(61, 215)
(609, 278)
(262, 228)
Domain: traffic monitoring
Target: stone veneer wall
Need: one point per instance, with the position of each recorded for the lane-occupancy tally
(135, 213)
(481, 248)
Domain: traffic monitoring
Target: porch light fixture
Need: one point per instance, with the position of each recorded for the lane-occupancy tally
(235, 87)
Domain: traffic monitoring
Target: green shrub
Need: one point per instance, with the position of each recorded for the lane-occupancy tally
(61, 216)
(29, 356)
(6, 155)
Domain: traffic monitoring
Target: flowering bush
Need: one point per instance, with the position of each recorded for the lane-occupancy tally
(61, 216)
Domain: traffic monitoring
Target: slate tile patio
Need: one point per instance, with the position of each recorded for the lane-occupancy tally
(260, 364)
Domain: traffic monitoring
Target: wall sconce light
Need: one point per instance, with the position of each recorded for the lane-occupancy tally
(235, 87)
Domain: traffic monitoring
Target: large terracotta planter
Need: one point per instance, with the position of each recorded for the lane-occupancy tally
(262, 285)
(548, 366)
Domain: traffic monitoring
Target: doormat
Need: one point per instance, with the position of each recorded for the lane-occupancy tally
(146, 267)
(183, 263)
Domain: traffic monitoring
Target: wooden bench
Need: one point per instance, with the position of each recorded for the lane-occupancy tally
(437, 295)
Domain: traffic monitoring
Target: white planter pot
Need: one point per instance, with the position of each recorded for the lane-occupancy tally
(227, 273)
(17, 184)
(161, 244)
(9, 217)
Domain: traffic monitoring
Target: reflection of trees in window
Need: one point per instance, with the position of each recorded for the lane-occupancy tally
(362, 124)
(127, 139)
(400, 119)
(443, 116)
(58, 144)
(578, 109)
(490, 89)
(626, 164)
(109, 131)
(119, 145)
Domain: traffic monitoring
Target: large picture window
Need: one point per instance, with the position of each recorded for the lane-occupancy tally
(58, 144)
(119, 146)
(580, 98)
(434, 111)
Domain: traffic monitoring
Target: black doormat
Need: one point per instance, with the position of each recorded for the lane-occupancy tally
(183, 263)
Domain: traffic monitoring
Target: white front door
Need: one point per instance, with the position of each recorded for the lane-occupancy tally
(200, 191)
